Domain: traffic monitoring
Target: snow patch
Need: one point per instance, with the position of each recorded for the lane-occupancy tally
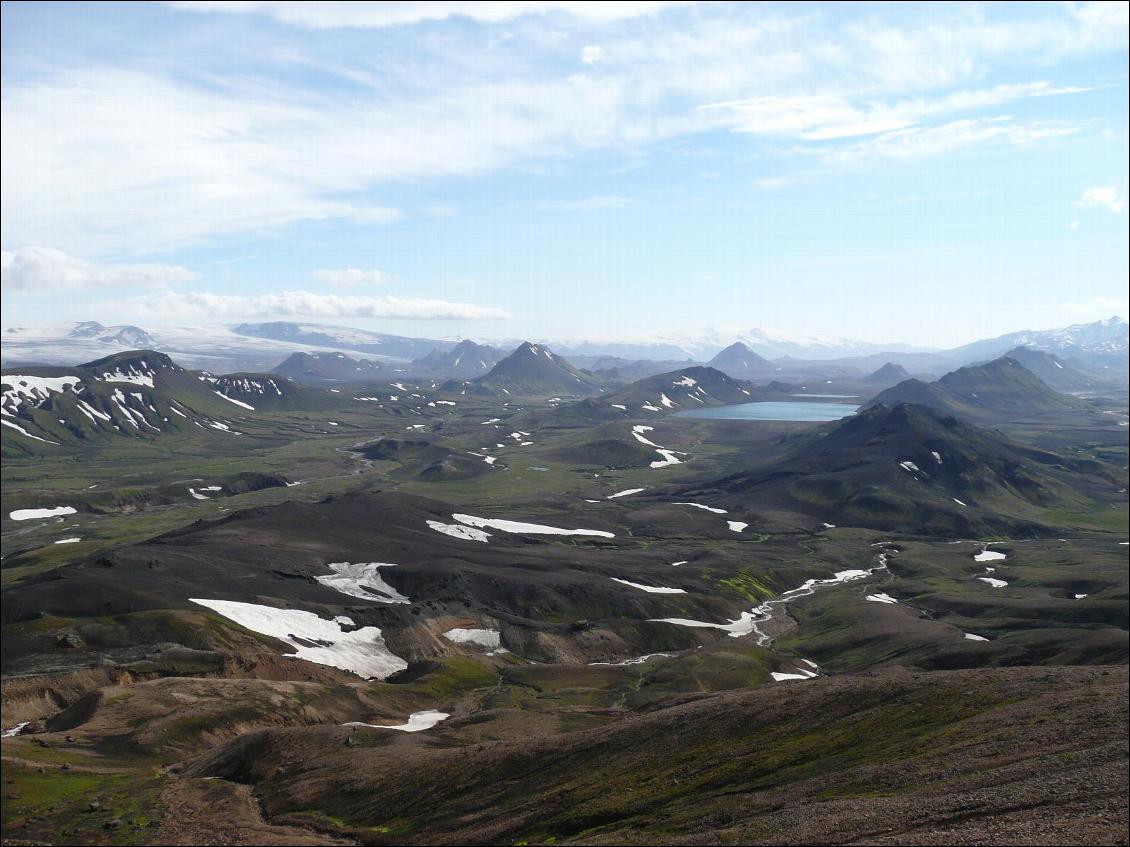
(459, 531)
(528, 528)
(362, 580)
(417, 722)
(360, 651)
(31, 514)
(650, 589)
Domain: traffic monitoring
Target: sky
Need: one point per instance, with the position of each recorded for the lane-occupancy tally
(919, 173)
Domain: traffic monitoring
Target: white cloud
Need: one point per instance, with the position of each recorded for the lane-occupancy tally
(1098, 309)
(45, 268)
(948, 138)
(1107, 196)
(591, 55)
(175, 304)
(830, 116)
(327, 14)
(99, 160)
(351, 277)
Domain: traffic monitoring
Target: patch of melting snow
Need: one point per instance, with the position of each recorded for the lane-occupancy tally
(76, 540)
(31, 514)
(34, 389)
(971, 637)
(650, 589)
(15, 730)
(417, 722)
(638, 660)
(1077, 596)
(197, 495)
(669, 458)
(136, 377)
(23, 431)
(958, 502)
(881, 598)
(993, 581)
(748, 622)
(360, 651)
(680, 562)
(529, 528)
(737, 526)
(701, 506)
(459, 531)
(638, 432)
(989, 556)
(362, 579)
(239, 403)
(624, 493)
(800, 673)
(491, 639)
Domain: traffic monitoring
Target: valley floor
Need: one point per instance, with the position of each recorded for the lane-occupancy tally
(653, 668)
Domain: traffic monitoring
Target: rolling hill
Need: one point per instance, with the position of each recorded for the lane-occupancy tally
(139, 394)
(999, 390)
(739, 360)
(266, 392)
(464, 359)
(536, 370)
(910, 467)
(687, 388)
(1052, 370)
(317, 368)
(888, 374)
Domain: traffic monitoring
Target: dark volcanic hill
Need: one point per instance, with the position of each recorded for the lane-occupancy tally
(465, 359)
(1052, 370)
(739, 359)
(998, 390)
(889, 374)
(317, 368)
(264, 391)
(908, 467)
(687, 388)
(536, 370)
(139, 394)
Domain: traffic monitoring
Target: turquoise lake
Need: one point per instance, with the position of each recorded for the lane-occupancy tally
(773, 411)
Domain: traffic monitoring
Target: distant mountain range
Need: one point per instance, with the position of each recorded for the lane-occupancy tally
(343, 338)
(1098, 347)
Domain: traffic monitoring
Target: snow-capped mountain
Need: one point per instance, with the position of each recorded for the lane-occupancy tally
(704, 344)
(1102, 338)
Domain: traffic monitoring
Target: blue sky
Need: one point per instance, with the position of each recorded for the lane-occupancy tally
(927, 174)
